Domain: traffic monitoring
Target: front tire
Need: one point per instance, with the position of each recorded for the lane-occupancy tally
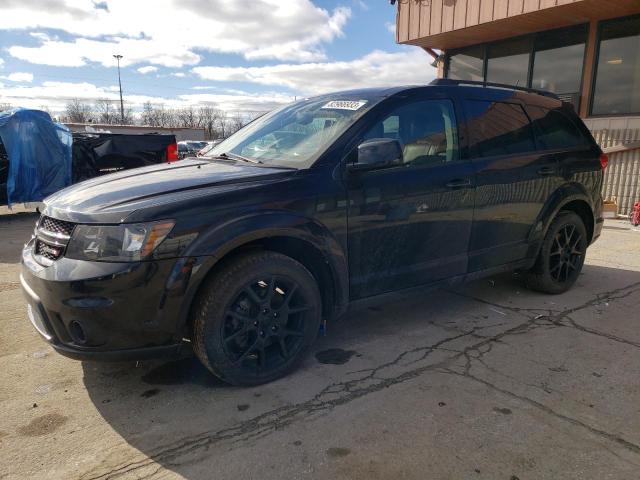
(256, 318)
(561, 256)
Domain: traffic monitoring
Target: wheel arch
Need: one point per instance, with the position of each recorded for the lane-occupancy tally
(303, 240)
(571, 197)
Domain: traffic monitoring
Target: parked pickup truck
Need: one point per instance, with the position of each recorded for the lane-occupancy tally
(99, 153)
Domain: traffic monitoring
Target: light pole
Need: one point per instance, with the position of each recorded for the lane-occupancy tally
(118, 57)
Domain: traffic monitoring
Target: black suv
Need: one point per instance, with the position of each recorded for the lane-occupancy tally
(308, 209)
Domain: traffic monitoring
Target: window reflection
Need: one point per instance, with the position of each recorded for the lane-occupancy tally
(558, 60)
(617, 89)
(467, 64)
(509, 62)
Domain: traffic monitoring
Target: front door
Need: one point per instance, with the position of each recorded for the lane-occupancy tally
(410, 224)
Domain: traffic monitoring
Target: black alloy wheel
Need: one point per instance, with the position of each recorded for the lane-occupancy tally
(561, 255)
(567, 254)
(256, 317)
(264, 324)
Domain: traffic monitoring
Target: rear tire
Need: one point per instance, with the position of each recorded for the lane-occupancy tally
(256, 318)
(561, 256)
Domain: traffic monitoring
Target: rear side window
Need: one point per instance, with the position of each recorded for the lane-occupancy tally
(554, 129)
(498, 128)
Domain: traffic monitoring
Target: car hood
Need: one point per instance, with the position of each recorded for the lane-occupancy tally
(112, 198)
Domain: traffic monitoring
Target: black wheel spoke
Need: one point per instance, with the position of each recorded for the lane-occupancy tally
(298, 309)
(271, 288)
(567, 235)
(262, 358)
(239, 316)
(289, 295)
(251, 293)
(283, 347)
(238, 333)
(249, 350)
(287, 332)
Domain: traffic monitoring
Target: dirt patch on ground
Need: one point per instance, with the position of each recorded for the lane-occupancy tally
(43, 425)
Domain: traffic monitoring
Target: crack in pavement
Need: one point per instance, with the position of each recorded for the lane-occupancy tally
(609, 436)
(370, 381)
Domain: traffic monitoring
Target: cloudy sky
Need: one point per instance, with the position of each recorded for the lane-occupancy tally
(248, 55)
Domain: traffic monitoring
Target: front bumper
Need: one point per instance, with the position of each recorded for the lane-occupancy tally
(107, 311)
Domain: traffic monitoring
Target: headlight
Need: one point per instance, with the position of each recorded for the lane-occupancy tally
(117, 243)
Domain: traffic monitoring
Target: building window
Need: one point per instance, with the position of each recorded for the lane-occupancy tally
(558, 60)
(467, 64)
(617, 84)
(508, 62)
(551, 60)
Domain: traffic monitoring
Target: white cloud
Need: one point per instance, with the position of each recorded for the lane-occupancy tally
(376, 69)
(147, 69)
(1, 62)
(391, 27)
(54, 95)
(179, 74)
(292, 30)
(19, 77)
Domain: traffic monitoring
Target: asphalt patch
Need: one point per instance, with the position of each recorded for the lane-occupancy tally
(335, 356)
(337, 452)
(150, 393)
(43, 425)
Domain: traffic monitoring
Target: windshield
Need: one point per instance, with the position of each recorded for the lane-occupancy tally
(294, 135)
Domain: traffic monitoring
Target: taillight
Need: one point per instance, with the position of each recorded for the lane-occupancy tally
(172, 152)
(604, 160)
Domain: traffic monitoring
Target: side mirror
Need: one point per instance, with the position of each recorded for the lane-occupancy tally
(377, 153)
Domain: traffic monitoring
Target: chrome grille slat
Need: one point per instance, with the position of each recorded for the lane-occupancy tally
(52, 237)
(54, 225)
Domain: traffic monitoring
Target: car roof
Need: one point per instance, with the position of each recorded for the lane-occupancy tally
(498, 91)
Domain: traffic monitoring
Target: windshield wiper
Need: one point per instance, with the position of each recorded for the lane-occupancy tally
(233, 156)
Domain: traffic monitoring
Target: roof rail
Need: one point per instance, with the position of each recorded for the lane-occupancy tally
(473, 83)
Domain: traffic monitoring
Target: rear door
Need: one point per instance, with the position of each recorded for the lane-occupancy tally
(513, 181)
(410, 224)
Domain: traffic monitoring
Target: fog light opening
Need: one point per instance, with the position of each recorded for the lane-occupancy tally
(77, 332)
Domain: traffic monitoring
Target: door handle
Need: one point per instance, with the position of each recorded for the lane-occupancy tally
(459, 183)
(547, 171)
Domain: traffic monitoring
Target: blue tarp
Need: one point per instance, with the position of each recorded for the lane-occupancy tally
(39, 152)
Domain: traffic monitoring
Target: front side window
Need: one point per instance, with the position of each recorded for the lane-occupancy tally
(498, 128)
(555, 130)
(426, 131)
(295, 135)
(617, 88)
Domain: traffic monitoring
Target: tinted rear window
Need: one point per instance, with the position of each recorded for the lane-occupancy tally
(498, 128)
(554, 129)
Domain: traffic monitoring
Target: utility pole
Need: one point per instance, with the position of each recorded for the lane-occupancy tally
(118, 57)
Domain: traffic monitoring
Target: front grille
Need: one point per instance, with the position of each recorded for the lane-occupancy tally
(52, 237)
(56, 226)
(50, 252)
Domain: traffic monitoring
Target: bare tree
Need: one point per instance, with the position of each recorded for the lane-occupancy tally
(236, 123)
(187, 117)
(106, 112)
(208, 118)
(78, 112)
(5, 106)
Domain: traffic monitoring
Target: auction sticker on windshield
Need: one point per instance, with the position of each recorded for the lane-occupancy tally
(345, 104)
